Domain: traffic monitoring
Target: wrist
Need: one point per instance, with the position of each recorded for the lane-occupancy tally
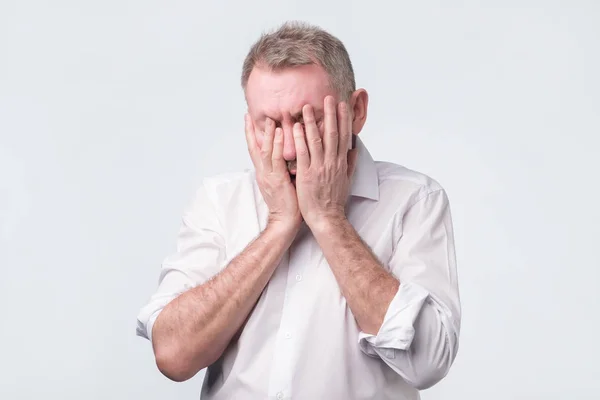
(327, 225)
(284, 228)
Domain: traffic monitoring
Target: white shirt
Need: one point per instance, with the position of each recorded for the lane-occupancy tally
(301, 340)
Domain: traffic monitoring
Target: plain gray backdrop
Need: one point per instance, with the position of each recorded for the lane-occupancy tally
(111, 112)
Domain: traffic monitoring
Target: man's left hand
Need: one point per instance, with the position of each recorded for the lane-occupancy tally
(324, 164)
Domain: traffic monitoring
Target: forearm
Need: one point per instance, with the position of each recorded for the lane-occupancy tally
(367, 287)
(193, 330)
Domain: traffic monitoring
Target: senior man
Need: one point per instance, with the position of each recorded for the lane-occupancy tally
(320, 274)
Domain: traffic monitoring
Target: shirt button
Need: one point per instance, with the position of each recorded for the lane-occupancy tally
(298, 278)
(288, 335)
(280, 396)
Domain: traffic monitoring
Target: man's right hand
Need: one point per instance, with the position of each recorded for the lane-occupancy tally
(272, 175)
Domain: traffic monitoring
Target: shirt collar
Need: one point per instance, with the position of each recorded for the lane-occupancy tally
(365, 181)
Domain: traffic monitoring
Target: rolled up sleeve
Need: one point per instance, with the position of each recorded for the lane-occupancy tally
(419, 335)
(200, 255)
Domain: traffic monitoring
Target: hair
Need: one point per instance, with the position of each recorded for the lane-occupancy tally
(298, 43)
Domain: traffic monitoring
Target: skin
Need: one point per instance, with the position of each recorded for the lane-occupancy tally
(297, 131)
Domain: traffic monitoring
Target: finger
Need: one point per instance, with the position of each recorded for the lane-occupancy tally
(277, 157)
(345, 128)
(330, 136)
(302, 157)
(266, 152)
(313, 136)
(352, 161)
(251, 140)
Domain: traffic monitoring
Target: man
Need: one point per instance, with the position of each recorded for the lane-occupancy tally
(321, 274)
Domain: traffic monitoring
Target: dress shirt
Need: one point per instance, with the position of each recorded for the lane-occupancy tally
(301, 341)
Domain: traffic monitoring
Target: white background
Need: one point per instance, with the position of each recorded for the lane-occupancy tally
(112, 111)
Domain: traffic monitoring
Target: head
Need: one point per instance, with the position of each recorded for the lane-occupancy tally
(295, 65)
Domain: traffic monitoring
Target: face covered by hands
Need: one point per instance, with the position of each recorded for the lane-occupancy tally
(321, 173)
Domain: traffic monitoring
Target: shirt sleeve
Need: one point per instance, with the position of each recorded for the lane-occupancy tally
(200, 255)
(419, 335)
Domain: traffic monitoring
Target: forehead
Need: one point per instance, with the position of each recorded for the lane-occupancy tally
(286, 91)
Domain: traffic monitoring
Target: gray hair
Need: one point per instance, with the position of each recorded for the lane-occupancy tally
(297, 43)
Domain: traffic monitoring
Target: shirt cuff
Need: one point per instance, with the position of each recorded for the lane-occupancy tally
(397, 330)
(145, 331)
(148, 315)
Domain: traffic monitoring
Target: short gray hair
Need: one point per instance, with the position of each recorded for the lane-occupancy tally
(298, 43)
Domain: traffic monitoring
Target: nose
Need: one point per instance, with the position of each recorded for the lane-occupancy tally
(289, 148)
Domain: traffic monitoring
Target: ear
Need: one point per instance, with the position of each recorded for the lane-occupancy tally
(359, 102)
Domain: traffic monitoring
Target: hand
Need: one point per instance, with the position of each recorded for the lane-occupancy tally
(272, 175)
(325, 166)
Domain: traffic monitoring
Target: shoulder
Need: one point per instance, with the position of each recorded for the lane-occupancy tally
(402, 183)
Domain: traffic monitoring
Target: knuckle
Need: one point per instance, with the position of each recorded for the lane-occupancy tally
(302, 151)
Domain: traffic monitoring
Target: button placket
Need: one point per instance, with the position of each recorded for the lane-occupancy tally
(282, 370)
